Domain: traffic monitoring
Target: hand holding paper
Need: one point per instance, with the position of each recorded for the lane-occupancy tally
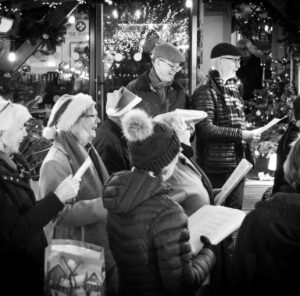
(213, 222)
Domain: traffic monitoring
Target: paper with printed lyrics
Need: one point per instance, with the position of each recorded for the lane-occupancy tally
(83, 168)
(237, 175)
(214, 222)
(269, 125)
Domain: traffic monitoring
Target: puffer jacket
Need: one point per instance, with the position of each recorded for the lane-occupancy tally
(152, 103)
(267, 254)
(149, 238)
(218, 144)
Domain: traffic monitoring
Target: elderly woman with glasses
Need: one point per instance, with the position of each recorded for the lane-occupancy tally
(22, 239)
(157, 87)
(72, 125)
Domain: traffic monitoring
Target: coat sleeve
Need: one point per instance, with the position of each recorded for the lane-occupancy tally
(79, 213)
(16, 227)
(202, 99)
(181, 273)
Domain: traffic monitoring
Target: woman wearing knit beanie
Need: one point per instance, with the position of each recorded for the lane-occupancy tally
(148, 232)
(72, 125)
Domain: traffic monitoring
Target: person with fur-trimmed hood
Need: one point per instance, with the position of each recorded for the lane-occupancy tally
(72, 125)
(148, 232)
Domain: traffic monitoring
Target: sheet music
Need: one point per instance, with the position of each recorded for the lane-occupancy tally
(215, 222)
(237, 175)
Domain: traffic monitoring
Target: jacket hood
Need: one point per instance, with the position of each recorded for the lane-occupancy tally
(280, 218)
(127, 189)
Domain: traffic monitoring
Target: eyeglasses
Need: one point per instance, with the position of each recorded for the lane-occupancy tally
(173, 67)
(8, 103)
(236, 61)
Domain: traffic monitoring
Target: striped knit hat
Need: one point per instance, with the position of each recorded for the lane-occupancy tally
(152, 145)
(65, 113)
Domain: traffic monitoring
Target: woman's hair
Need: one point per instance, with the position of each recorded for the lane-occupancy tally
(292, 165)
(11, 113)
(76, 129)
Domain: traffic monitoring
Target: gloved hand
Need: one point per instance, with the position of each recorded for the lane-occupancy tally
(207, 243)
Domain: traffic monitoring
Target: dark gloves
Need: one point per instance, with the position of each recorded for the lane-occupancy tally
(207, 243)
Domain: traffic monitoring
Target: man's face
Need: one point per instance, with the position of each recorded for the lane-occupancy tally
(229, 65)
(165, 69)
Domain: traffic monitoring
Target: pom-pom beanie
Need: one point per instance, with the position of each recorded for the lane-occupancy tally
(152, 145)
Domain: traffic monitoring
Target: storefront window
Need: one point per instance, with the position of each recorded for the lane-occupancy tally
(131, 31)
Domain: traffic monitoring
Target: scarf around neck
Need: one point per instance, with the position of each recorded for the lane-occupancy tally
(232, 98)
(159, 86)
(91, 184)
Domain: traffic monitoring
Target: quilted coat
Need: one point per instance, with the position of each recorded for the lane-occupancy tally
(149, 238)
(218, 144)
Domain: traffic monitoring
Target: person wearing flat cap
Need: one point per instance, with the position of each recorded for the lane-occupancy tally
(222, 139)
(157, 87)
(110, 142)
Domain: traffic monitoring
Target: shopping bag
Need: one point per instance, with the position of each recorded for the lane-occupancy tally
(74, 268)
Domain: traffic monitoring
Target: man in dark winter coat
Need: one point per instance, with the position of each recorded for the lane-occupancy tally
(148, 232)
(267, 255)
(221, 139)
(110, 142)
(157, 88)
(284, 147)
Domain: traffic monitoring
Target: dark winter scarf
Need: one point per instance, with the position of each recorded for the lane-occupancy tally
(232, 99)
(159, 86)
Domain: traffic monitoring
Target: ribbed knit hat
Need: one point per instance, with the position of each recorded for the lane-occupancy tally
(152, 145)
(224, 49)
(169, 52)
(65, 112)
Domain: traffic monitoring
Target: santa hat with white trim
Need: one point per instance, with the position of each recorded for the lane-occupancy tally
(65, 113)
(120, 102)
